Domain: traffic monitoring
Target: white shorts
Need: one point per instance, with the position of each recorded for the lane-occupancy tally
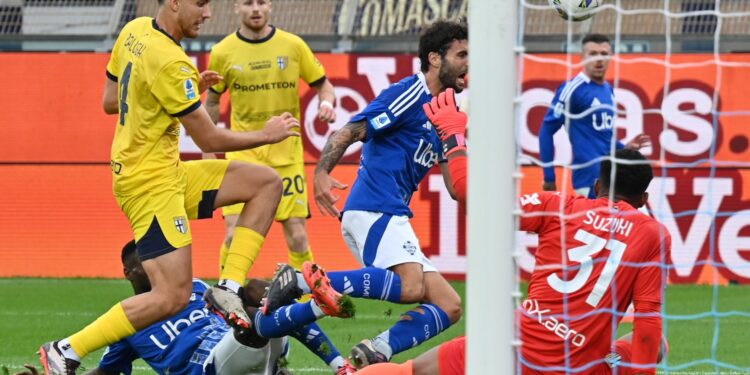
(382, 240)
(229, 357)
(584, 191)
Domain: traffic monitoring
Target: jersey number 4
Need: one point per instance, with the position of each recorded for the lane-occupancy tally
(124, 92)
(583, 255)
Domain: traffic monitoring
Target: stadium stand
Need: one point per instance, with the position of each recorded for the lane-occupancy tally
(333, 20)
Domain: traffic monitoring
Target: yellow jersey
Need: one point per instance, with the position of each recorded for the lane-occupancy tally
(157, 84)
(262, 77)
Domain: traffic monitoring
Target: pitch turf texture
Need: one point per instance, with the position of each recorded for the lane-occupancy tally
(37, 310)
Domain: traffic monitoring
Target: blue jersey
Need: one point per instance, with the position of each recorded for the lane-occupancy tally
(591, 106)
(400, 148)
(178, 345)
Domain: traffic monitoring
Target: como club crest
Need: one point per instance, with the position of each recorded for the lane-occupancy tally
(282, 61)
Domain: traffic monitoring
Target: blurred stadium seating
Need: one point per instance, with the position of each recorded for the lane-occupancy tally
(326, 23)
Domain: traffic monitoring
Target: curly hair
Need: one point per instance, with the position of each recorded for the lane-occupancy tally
(438, 38)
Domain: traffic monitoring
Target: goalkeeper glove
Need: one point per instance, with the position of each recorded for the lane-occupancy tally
(449, 121)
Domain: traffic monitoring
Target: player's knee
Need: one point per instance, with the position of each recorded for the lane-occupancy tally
(454, 311)
(270, 181)
(298, 241)
(412, 292)
(176, 301)
(450, 303)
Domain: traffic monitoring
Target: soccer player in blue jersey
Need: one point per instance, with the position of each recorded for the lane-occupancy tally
(586, 106)
(400, 147)
(198, 341)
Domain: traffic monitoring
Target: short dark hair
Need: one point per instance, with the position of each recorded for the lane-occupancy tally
(596, 38)
(631, 179)
(438, 38)
(128, 250)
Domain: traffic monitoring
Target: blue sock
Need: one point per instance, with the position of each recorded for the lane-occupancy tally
(369, 282)
(313, 337)
(284, 320)
(408, 333)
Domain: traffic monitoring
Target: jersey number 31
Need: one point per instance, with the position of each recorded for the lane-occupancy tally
(593, 244)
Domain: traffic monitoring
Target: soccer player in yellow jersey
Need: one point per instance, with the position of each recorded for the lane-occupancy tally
(154, 87)
(262, 65)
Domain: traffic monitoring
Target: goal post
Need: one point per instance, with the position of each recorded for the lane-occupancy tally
(491, 203)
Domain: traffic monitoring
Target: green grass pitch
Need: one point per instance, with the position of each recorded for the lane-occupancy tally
(37, 310)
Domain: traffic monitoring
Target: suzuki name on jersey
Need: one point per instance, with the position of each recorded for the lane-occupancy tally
(264, 86)
(608, 224)
(551, 323)
(173, 327)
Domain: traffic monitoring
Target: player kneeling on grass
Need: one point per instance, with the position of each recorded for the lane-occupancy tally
(198, 341)
(613, 256)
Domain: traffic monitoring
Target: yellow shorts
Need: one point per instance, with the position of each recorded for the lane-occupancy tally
(294, 201)
(159, 217)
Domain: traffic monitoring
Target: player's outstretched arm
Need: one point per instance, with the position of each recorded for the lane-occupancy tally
(326, 97)
(109, 97)
(647, 327)
(213, 107)
(214, 139)
(451, 126)
(334, 149)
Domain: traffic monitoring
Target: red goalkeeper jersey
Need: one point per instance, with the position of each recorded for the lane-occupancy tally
(592, 259)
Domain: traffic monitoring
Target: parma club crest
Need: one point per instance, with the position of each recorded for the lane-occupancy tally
(181, 224)
(282, 61)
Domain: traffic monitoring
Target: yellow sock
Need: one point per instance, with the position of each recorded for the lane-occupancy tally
(296, 259)
(223, 252)
(245, 247)
(109, 328)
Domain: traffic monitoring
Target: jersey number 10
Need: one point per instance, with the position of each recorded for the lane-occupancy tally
(583, 255)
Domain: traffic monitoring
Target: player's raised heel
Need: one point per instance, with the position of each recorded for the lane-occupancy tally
(54, 362)
(282, 291)
(328, 299)
(228, 304)
(364, 354)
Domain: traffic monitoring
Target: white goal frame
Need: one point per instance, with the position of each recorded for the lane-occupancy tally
(492, 187)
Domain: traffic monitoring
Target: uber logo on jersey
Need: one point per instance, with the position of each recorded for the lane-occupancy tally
(190, 93)
(380, 121)
(425, 155)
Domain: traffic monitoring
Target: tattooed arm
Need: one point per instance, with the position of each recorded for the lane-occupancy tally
(334, 149)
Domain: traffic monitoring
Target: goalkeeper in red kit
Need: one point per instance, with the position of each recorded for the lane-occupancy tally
(595, 257)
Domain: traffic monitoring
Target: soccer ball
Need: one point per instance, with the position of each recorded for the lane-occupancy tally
(575, 10)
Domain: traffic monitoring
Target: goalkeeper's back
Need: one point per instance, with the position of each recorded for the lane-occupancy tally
(595, 257)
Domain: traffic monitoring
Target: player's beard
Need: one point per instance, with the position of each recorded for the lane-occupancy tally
(448, 76)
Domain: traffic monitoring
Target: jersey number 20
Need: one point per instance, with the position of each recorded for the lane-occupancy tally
(124, 92)
(582, 254)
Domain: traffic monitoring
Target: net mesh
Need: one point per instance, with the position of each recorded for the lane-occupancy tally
(689, 105)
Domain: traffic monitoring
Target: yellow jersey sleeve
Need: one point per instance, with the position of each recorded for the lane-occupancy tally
(176, 88)
(311, 70)
(216, 63)
(113, 66)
